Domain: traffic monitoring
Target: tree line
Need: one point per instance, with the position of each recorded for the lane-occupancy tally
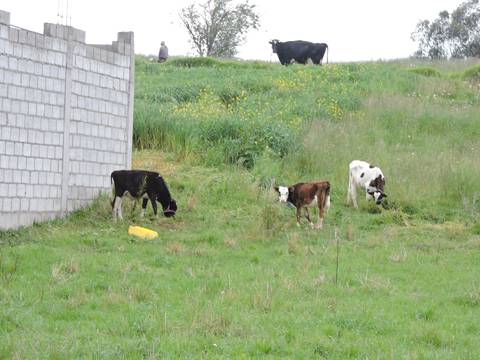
(218, 27)
(450, 35)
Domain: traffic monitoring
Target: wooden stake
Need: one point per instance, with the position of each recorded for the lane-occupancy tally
(338, 250)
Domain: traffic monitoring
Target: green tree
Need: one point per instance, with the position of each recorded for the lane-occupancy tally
(450, 35)
(217, 27)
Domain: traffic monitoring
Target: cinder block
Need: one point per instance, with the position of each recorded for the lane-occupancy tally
(12, 162)
(5, 133)
(39, 41)
(17, 50)
(34, 204)
(21, 190)
(43, 125)
(23, 131)
(39, 139)
(4, 18)
(32, 109)
(12, 92)
(15, 204)
(46, 167)
(18, 148)
(7, 205)
(15, 134)
(22, 163)
(30, 163)
(31, 38)
(24, 204)
(34, 177)
(23, 107)
(42, 178)
(8, 175)
(6, 47)
(38, 164)
(3, 190)
(25, 177)
(52, 192)
(50, 179)
(9, 148)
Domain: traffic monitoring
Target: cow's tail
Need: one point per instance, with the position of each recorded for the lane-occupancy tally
(327, 53)
(326, 201)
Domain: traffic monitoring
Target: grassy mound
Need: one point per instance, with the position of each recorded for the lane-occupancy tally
(472, 73)
(426, 71)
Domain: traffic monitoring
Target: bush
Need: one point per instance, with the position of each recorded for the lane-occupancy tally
(193, 62)
(472, 74)
(426, 71)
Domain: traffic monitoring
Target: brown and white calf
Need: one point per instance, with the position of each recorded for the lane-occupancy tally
(367, 177)
(138, 184)
(305, 195)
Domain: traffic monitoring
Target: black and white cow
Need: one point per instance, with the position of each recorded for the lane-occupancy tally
(367, 177)
(147, 185)
(300, 51)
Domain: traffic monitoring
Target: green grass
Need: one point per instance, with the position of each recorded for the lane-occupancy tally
(232, 276)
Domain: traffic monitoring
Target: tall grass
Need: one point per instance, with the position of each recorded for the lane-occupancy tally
(418, 121)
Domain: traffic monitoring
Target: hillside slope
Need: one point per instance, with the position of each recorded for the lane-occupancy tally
(231, 276)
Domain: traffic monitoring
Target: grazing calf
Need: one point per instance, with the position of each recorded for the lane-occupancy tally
(138, 184)
(365, 176)
(304, 195)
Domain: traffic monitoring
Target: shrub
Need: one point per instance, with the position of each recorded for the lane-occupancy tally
(426, 71)
(472, 74)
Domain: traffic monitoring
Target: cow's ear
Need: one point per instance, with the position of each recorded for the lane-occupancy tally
(290, 189)
(385, 195)
(276, 188)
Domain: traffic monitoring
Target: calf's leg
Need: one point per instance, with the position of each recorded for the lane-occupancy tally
(299, 214)
(144, 206)
(117, 208)
(319, 224)
(307, 216)
(320, 202)
(352, 194)
(154, 203)
(118, 204)
(114, 208)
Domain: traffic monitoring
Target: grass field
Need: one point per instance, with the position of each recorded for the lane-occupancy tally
(232, 276)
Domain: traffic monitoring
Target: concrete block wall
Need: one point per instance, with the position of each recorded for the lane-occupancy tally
(66, 116)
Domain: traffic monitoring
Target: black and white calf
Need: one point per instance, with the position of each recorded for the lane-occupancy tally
(138, 184)
(367, 177)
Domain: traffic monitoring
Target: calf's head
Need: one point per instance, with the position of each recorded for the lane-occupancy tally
(171, 209)
(375, 189)
(283, 193)
(377, 194)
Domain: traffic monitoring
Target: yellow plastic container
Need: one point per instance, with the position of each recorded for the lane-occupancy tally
(142, 232)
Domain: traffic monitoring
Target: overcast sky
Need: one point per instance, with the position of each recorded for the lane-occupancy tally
(354, 29)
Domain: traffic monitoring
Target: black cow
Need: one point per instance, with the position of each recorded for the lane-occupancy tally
(141, 184)
(300, 51)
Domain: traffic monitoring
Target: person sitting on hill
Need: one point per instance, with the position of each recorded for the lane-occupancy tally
(163, 53)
